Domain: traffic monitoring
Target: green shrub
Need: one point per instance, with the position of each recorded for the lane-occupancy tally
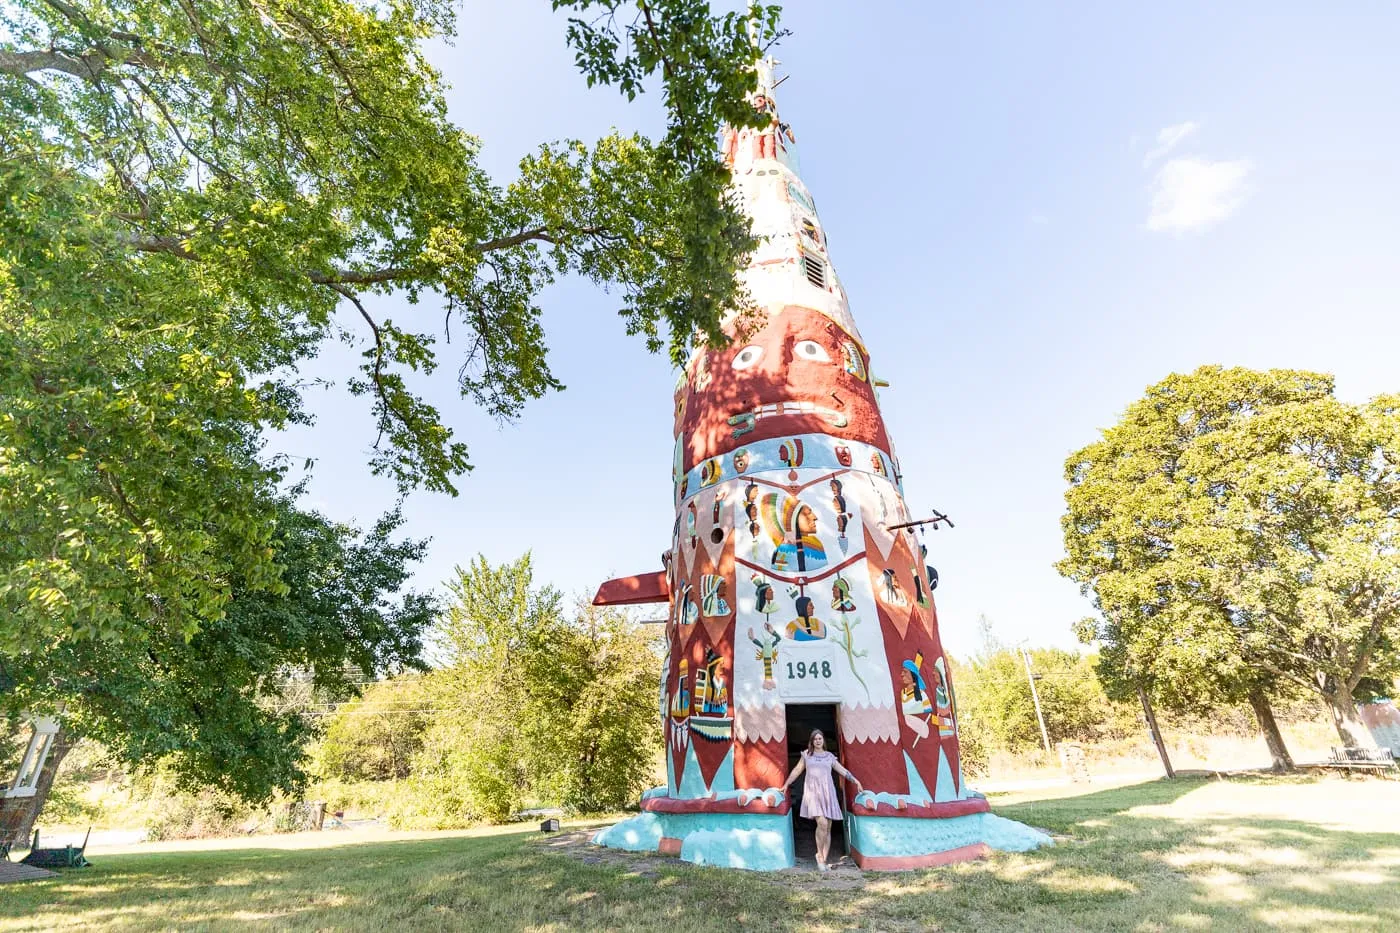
(203, 815)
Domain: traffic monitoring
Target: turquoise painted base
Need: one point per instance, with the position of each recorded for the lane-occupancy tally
(763, 841)
(901, 837)
(641, 833)
(752, 841)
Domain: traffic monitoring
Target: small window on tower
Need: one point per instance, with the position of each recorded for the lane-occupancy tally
(816, 269)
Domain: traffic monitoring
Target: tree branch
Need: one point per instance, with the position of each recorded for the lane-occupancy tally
(87, 66)
(175, 246)
(377, 375)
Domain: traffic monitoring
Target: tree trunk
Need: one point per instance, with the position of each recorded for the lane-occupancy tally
(19, 814)
(1264, 713)
(1340, 704)
(1151, 719)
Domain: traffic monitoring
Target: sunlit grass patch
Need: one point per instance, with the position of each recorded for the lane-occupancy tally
(1168, 856)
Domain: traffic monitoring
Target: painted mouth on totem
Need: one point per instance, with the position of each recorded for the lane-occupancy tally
(745, 421)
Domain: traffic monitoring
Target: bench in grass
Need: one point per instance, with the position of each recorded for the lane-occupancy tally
(1374, 759)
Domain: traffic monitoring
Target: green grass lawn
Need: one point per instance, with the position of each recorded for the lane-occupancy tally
(1191, 854)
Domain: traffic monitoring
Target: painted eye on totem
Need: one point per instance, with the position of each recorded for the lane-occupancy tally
(748, 356)
(811, 350)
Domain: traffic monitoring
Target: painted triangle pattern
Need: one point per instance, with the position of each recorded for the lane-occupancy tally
(723, 781)
(692, 783)
(918, 791)
(945, 790)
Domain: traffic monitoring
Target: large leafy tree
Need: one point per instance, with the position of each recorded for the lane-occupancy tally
(188, 191)
(1296, 531)
(1184, 525)
(208, 705)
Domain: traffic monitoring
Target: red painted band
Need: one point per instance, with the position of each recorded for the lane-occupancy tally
(932, 811)
(705, 805)
(932, 860)
(811, 577)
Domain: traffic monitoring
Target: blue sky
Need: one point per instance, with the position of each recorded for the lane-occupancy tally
(1037, 212)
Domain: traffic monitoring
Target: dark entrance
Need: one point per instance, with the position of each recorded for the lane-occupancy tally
(801, 720)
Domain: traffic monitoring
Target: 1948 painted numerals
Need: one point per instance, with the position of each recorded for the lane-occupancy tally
(804, 669)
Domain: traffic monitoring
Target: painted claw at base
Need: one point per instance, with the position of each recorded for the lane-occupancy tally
(743, 422)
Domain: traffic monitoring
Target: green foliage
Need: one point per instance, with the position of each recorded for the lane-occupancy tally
(207, 704)
(1237, 531)
(200, 814)
(995, 707)
(531, 705)
(187, 192)
(376, 736)
(606, 679)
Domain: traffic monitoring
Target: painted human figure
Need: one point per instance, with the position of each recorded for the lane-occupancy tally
(751, 513)
(920, 595)
(714, 698)
(689, 611)
(914, 698)
(680, 705)
(894, 593)
(792, 526)
(767, 652)
(841, 599)
(765, 600)
(943, 702)
(806, 627)
(838, 504)
(712, 601)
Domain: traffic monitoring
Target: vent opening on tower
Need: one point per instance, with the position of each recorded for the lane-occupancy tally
(816, 269)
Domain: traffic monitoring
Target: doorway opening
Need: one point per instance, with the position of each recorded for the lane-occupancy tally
(802, 718)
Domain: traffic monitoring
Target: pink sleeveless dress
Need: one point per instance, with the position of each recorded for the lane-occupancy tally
(818, 789)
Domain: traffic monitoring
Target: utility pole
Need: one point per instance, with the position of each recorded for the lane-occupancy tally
(1151, 718)
(1035, 697)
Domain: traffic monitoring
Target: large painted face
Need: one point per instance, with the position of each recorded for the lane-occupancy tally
(806, 521)
(789, 378)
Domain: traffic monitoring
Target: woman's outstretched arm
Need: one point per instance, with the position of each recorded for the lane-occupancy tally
(841, 770)
(801, 764)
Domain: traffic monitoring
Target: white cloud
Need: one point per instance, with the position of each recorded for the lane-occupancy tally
(1039, 219)
(1190, 194)
(1168, 138)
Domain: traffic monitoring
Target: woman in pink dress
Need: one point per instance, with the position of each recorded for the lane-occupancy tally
(819, 800)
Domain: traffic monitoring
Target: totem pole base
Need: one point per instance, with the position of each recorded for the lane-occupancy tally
(741, 831)
(758, 837)
(900, 842)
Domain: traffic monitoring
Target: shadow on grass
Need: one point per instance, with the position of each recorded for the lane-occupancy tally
(1120, 870)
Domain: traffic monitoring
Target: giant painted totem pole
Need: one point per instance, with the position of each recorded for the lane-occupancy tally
(788, 584)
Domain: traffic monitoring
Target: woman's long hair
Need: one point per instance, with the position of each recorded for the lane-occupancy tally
(815, 733)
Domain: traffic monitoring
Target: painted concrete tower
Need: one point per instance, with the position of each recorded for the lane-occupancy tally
(794, 596)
